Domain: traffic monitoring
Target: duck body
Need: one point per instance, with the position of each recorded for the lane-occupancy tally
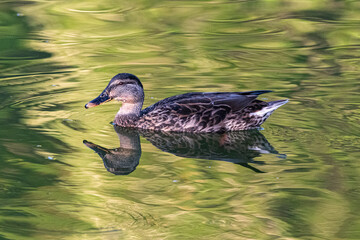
(189, 112)
(204, 112)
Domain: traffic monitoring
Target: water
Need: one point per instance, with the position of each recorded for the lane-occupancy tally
(296, 179)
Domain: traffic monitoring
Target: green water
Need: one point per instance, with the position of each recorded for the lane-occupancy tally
(55, 56)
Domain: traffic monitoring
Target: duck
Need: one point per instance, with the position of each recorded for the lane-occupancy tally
(196, 112)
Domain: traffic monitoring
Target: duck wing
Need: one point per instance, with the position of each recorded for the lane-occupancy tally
(195, 112)
(235, 100)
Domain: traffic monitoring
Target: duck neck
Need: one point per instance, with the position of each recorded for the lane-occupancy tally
(129, 138)
(128, 114)
(130, 109)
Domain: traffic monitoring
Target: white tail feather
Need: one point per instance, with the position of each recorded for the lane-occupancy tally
(270, 108)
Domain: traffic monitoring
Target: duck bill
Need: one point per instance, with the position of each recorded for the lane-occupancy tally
(102, 98)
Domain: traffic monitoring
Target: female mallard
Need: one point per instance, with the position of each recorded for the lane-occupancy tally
(189, 112)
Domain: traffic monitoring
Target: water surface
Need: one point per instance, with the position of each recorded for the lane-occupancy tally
(57, 55)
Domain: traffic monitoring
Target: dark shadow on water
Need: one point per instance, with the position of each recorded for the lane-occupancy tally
(237, 147)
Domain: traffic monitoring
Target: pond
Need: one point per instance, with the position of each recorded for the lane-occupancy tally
(66, 175)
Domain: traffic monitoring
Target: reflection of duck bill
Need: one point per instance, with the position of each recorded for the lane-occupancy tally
(98, 149)
(119, 161)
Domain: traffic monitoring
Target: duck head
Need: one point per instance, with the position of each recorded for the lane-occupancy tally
(124, 87)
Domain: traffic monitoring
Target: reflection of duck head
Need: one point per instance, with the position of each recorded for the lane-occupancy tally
(124, 159)
(237, 147)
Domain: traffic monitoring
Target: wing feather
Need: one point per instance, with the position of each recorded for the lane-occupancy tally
(235, 100)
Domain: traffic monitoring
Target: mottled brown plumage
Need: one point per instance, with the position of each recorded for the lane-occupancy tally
(190, 112)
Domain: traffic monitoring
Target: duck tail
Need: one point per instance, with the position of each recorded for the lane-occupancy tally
(275, 104)
(272, 106)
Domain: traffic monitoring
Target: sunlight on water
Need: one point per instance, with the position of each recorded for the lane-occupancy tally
(65, 173)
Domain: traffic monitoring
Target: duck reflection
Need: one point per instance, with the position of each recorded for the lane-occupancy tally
(237, 147)
(124, 159)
